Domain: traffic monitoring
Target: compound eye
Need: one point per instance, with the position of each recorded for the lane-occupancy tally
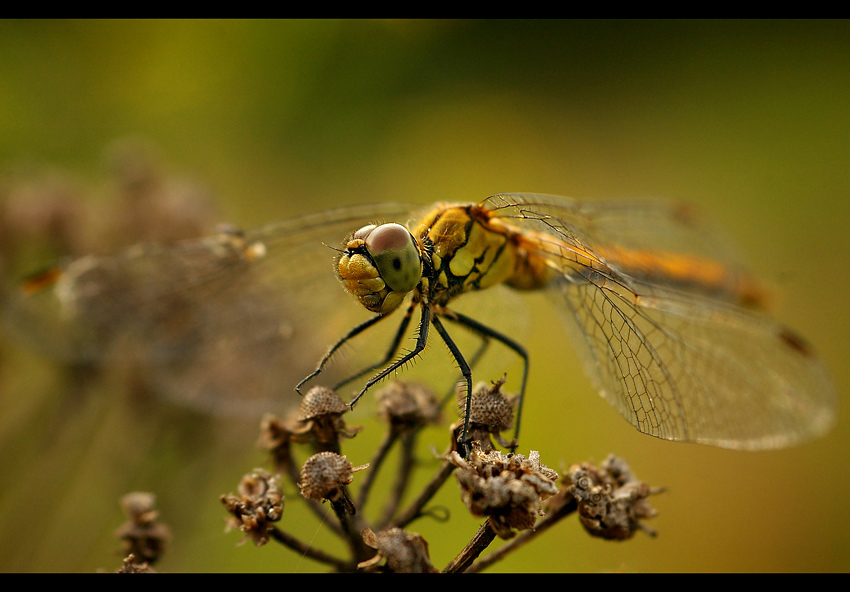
(395, 255)
(363, 232)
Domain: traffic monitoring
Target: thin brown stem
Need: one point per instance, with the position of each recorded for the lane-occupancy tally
(406, 463)
(480, 541)
(306, 550)
(526, 536)
(414, 511)
(375, 465)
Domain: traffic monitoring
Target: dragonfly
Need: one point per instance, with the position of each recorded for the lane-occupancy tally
(671, 329)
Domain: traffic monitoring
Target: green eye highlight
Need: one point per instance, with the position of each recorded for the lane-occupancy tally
(395, 255)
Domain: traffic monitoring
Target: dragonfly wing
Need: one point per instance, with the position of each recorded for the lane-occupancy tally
(680, 358)
(226, 323)
(697, 370)
(635, 225)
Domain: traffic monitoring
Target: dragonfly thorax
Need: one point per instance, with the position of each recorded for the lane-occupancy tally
(466, 252)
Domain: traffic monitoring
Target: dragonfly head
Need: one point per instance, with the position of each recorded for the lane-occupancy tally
(380, 265)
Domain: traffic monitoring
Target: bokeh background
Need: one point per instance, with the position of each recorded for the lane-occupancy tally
(268, 119)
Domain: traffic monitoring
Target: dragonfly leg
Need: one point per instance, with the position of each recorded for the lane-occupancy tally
(488, 333)
(333, 349)
(391, 352)
(467, 376)
(473, 361)
(421, 341)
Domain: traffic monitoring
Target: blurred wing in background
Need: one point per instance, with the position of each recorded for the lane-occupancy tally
(225, 324)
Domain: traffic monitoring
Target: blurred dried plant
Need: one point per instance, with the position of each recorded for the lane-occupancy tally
(76, 404)
(143, 536)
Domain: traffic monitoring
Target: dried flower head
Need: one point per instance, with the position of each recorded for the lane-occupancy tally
(611, 502)
(142, 536)
(508, 488)
(140, 507)
(276, 438)
(321, 420)
(405, 552)
(325, 475)
(129, 565)
(320, 401)
(490, 412)
(259, 503)
(405, 404)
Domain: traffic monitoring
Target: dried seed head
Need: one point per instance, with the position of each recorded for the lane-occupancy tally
(276, 438)
(490, 412)
(273, 433)
(611, 502)
(618, 469)
(320, 401)
(408, 404)
(490, 407)
(508, 488)
(324, 475)
(321, 418)
(259, 503)
(405, 552)
(130, 566)
(142, 536)
(140, 507)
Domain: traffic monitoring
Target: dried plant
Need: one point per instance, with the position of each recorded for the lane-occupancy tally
(143, 536)
(519, 496)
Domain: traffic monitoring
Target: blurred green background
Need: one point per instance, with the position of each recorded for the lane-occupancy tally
(749, 120)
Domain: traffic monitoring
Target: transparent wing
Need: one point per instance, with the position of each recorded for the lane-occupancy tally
(227, 324)
(680, 358)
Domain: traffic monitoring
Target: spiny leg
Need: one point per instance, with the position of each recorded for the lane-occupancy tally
(421, 341)
(473, 361)
(391, 351)
(467, 375)
(488, 333)
(354, 332)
